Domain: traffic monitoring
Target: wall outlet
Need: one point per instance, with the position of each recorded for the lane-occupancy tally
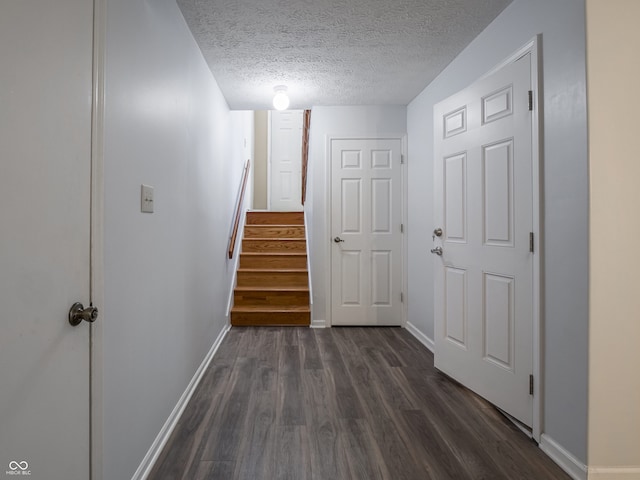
(146, 199)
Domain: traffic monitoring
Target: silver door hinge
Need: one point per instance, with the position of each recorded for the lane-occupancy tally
(531, 242)
(401, 159)
(402, 228)
(530, 384)
(531, 100)
(401, 297)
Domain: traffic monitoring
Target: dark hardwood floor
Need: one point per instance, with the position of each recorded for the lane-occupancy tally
(340, 403)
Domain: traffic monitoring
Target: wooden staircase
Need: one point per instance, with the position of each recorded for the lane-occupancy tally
(272, 287)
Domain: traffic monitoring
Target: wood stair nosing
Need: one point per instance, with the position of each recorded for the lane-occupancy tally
(277, 239)
(274, 270)
(272, 254)
(274, 288)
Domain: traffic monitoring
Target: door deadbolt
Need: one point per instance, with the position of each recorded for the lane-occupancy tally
(78, 313)
(438, 232)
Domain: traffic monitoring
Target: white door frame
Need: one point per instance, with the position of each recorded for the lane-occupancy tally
(532, 48)
(269, 159)
(96, 265)
(403, 195)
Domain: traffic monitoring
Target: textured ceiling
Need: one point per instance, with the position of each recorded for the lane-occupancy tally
(332, 52)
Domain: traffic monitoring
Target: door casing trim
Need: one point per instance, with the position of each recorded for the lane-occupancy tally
(533, 49)
(96, 262)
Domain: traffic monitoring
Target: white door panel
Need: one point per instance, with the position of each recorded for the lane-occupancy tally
(45, 158)
(484, 205)
(366, 213)
(286, 160)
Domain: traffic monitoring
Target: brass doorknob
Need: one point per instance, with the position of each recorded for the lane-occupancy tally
(77, 313)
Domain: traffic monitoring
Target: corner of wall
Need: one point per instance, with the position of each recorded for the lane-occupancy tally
(421, 337)
(565, 460)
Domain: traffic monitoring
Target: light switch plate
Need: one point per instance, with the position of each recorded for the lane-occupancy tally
(146, 199)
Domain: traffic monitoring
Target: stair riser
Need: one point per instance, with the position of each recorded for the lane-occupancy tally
(271, 298)
(250, 245)
(272, 279)
(271, 319)
(273, 261)
(275, 218)
(266, 231)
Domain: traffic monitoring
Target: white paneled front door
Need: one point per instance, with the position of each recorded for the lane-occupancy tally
(286, 161)
(45, 178)
(366, 238)
(484, 207)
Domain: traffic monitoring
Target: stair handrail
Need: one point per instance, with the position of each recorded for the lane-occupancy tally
(238, 212)
(306, 127)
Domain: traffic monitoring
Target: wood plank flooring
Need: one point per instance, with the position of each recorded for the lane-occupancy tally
(340, 403)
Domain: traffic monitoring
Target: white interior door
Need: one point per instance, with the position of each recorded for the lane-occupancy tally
(45, 155)
(286, 161)
(484, 206)
(366, 216)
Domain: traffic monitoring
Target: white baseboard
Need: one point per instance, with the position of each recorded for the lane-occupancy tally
(422, 338)
(318, 323)
(614, 473)
(158, 444)
(565, 460)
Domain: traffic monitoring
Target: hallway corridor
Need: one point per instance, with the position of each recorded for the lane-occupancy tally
(340, 403)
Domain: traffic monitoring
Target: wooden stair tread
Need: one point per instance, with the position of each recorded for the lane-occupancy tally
(274, 231)
(271, 308)
(273, 225)
(280, 270)
(276, 239)
(272, 289)
(277, 218)
(292, 254)
(274, 245)
(273, 259)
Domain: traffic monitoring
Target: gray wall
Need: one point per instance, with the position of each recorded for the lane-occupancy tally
(260, 164)
(327, 121)
(166, 274)
(565, 196)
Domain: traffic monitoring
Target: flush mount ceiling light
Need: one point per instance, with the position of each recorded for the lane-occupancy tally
(280, 99)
